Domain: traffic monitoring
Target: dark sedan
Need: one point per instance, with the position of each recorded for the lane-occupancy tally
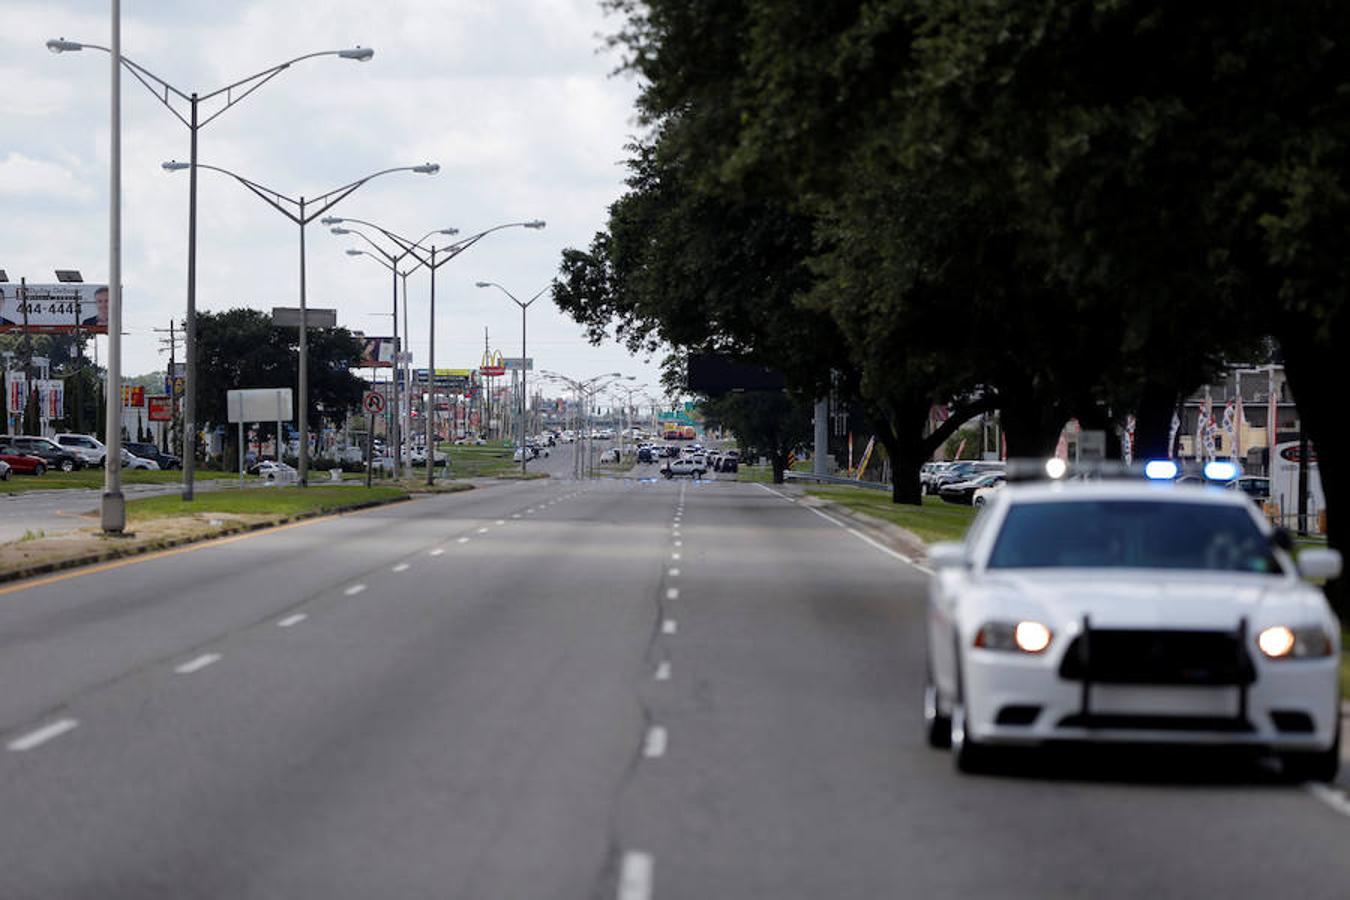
(151, 452)
(962, 491)
(53, 455)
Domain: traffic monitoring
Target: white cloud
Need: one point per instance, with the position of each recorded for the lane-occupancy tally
(40, 179)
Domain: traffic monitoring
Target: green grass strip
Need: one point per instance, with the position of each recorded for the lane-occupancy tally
(282, 501)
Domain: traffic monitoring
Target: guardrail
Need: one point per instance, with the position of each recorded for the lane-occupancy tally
(835, 479)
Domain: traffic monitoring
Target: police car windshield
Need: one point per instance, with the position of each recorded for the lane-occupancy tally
(1132, 534)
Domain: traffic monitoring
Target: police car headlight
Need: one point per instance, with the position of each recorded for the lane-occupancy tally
(1025, 636)
(1282, 642)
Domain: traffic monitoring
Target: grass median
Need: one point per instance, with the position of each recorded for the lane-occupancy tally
(282, 502)
(486, 461)
(935, 520)
(92, 479)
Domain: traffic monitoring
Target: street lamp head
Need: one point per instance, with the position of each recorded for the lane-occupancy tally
(448, 231)
(174, 165)
(331, 220)
(360, 54)
(355, 252)
(61, 45)
(485, 284)
(427, 168)
(537, 223)
(337, 230)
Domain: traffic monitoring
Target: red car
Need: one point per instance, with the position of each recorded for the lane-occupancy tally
(22, 463)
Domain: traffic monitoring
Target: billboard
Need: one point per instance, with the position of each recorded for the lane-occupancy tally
(160, 409)
(54, 308)
(377, 353)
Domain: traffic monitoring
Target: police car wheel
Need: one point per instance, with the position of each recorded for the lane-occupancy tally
(937, 727)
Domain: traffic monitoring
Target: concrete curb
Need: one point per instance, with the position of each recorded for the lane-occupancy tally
(115, 553)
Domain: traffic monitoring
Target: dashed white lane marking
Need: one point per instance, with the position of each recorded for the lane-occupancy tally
(679, 543)
(292, 620)
(669, 626)
(40, 736)
(1330, 796)
(354, 590)
(462, 540)
(501, 521)
(515, 515)
(674, 573)
(635, 876)
(675, 556)
(196, 665)
(528, 511)
(401, 567)
(482, 531)
(663, 672)
(675, 533)
(654, 747)
(437, 552)
(672, 593)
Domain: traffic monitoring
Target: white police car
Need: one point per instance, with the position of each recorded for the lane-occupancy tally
(1131, 611)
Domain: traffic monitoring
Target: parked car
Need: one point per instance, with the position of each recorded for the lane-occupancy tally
(685, 465)
(54, 455)
(151, 452)
(21, 462)
(88, 448)
(132, 461)
(271, 470)
(963, 492)
(4, 470)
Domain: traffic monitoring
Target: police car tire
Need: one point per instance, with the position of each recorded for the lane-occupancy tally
(936, 726)
(1321, 766)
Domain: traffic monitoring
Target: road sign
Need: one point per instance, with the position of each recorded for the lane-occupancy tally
(516, 364)
(160, 409)
(259, 405)
(373, 402)
(289, 317)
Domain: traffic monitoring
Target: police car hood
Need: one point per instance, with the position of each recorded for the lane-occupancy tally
(1122, 598)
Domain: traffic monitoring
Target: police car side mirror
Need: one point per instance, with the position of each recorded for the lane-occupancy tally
(1283, 539)
(948, 555)
(1320, 564)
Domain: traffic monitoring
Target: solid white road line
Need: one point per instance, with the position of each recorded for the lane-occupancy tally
(663, 672)
(401, 567)
(437, 552)
(196, 665)
(635, 876)
(462, 540)
(292, 620)
(669, 626)
(42, 735)
(1330, 796)
(828, 518)
(882, 547)
(672, 593)
(354, 590)
(859, 535)
(654, 747)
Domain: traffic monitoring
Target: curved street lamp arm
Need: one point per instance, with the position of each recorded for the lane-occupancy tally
(161, 89)
(323, 202)
(368, 255)
(463, 244)
(391, 259)
(270, 196)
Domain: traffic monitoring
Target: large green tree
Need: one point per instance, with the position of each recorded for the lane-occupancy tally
(240, 348)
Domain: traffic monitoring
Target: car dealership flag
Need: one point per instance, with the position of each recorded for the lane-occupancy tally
(1230, 425)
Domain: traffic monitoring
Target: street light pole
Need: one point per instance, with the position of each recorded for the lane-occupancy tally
(113, 508)
(282, 203)
(415, 250)
(166, 93)
(524, 359)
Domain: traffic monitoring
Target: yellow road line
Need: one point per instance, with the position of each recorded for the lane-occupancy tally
(81, 571)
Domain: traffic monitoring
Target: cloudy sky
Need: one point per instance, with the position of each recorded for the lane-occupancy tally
(513, 98)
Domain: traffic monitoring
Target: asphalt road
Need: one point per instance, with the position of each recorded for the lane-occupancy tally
(563, 689)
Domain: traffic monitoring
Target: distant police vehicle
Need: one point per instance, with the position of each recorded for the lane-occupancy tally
(1131, 611)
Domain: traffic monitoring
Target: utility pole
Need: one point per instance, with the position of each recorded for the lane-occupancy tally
(171, 342)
